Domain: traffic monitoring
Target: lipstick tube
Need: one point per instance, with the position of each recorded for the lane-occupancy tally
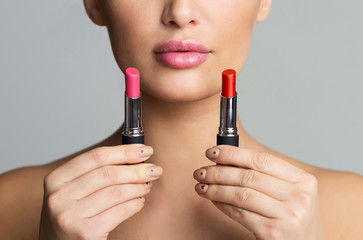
(227, 131)
(133, 131)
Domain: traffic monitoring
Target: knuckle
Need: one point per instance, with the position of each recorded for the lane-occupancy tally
(230, 152)
(260, 160)
(63, 220)
(86, 225)
(212, 192)
(48, 183)
(84, 234)
(127, 210)
(275, 234)
(311, 182)
(99, 154)
(108, 173)
(242, 195)
(304, 199)
(218, 174)
(248, 178)
(81, 236)
(55, 199)
(273, 231)
(140, 173)
(296, 217)
(120, 209)
(115, 193)
(239, 213)
(48, 180)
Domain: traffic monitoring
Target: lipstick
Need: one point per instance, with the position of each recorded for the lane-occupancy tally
(133, 131)
(227, 131)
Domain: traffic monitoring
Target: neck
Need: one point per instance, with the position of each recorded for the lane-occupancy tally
(181, 132)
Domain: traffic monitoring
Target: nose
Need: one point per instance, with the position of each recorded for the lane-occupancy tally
(180, 13)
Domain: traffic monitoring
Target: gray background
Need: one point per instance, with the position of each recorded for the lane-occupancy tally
(300, 92)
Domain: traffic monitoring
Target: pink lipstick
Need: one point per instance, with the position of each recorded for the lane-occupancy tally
(133, 131)
(182, 54)
(227, 131)
(132, 83)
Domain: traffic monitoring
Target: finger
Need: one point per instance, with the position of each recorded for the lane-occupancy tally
(255, 223)
(240, 197)
(111, 175)
(98, 157)
(109, 197)
(234, 176)
(256, 160)
(111, 218)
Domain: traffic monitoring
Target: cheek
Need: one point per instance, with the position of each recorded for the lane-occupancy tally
(234, 26)
(129, 29)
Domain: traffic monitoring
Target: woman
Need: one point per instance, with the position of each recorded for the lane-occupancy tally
(100, 193)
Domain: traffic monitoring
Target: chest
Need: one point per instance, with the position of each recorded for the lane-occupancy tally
(191, 221)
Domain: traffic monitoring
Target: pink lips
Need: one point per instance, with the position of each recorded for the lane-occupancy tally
(182, 54)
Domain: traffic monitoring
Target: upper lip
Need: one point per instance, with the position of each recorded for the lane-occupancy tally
(187, 45)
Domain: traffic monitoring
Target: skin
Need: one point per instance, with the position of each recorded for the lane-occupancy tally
(92, 194)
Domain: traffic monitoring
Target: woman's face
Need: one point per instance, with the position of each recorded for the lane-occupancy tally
(138, 28)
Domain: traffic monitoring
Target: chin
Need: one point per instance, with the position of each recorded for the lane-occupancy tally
(180, 90)
(180, 85)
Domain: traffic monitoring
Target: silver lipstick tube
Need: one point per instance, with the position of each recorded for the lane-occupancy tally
(228, 117)
(227, 131)
(133, 122)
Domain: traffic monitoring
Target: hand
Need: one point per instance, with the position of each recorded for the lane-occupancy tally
(270, 197)
(90, 195)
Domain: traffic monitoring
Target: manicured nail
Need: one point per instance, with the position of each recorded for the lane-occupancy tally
(154, 171)
(201, 188)
(200, 174)
(212, 153)
(145, 151)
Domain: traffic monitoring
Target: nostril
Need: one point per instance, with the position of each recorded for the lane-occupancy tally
(172, 23)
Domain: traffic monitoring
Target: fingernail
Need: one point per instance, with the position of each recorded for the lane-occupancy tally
(201, 188)
(154, 171)
(200, 174)
(212, 153)
(145, 151)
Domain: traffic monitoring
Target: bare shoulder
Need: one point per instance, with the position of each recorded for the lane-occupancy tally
(21, 192)
(341, 198)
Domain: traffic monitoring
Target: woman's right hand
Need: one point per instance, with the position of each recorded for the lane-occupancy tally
(90, 195)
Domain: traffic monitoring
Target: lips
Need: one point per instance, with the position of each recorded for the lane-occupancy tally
(182, 54)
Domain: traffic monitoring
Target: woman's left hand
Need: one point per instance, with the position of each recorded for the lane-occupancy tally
(267, 195)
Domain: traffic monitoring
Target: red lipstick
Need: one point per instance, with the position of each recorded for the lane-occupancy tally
(227, 131)
(133, 131)
(228, 83)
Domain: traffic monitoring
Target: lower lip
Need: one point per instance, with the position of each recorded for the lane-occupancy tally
(182, 59)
